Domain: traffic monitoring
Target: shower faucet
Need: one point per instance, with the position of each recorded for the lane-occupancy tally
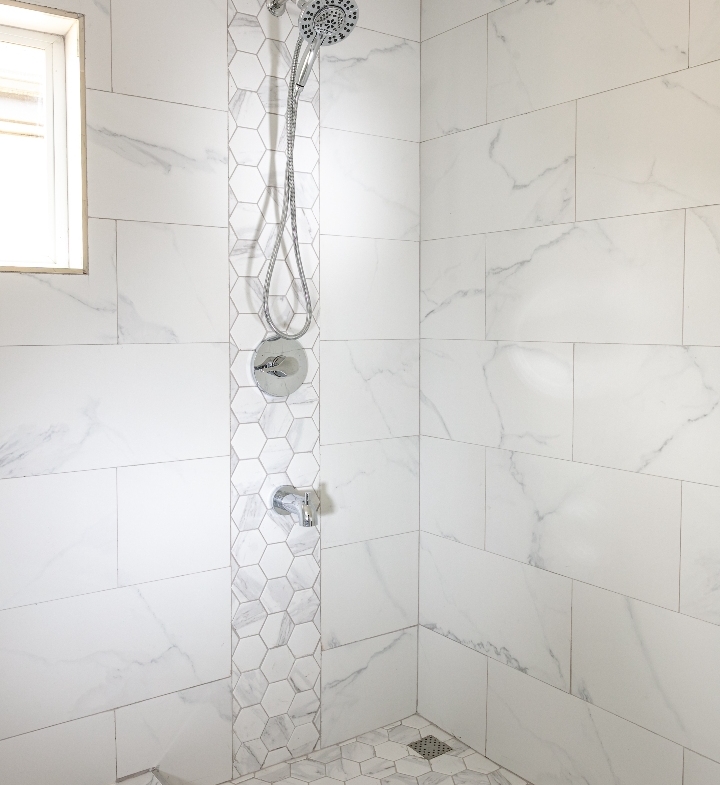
(289, 501)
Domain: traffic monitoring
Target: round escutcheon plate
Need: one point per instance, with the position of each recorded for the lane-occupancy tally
(279, 367)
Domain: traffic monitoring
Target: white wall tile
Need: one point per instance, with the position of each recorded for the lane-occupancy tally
(529, 630)
(508, 175)
(369, 489)
(452, 491)
(439, 15)
(64, 309)
(651, 409)
(371, 85)
(700, 771)
(549, 737)
(155, 161)
(653, 667)
(704, 31)
(98, 45)
(80, 752)
(67, 659)
(58, 536)
(375, 380)
(542, 54)
(617, 530)
(150, 47)
(87, 407)
(454, 80)
(452, 288)
(401, 17)
(369, 186)
(452, 687)
(187, 735)
(369, 288)
(173, 519)
(650, 146)
(614, 281)
(700, 573)
(702, 277)
(368, 684)
(514, 396)
(369, 588)
(172, 284)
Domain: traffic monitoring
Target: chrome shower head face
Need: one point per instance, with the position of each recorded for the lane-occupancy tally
(334, 20)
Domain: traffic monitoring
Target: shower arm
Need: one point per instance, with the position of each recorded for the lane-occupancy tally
(307, 61)
(277, 7)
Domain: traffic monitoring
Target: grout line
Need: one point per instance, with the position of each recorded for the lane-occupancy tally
(466, 22)
(411, 628)
(158, 100)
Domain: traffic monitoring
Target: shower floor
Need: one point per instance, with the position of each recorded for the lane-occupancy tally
(382, 756)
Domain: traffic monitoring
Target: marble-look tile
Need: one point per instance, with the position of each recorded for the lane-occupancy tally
(616, 530)
(71, 658)
(155, 161)
(150, 59)
(80, 752)
(375, 380)
(439, 15)
(653, 667)
(92, 407)
(514, 396)
(540, 54)
(369, 589)
(172, 284)
(370, 85)
(649, 409)
(704, 31)
(452, 687)
(173, 519)
(454, 80)
(613, 281)
(700, 572)
(58, 536)
(187, 735)
(355, 675)
(702, 277)
(369, 490)
(650, 146)
(370, 186)
(401, 17)
(549, 737)
(369, 288)
(508, 175)
(40, 309)
(452, 491)
(700, 771)
(452, 288)
(529, 630)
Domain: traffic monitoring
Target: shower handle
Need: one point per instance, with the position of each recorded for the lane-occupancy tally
(289, 501)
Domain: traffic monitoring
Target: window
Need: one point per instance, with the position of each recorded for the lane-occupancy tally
(42, 166)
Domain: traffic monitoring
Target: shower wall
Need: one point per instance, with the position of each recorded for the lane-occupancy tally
(570, 386)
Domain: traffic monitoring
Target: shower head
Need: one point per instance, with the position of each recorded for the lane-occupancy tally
(332, 20)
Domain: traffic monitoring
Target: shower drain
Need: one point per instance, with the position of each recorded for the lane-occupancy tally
(430, 747)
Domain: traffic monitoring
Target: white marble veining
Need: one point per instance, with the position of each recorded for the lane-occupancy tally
(369, 489)
(452, 491)
(551, 737)
(375, 380)
(369, 288)
(370, 85)
(452, 687)
(700, 572)
(172, 284)
(702, 277)
(58, 536)
(514, 396)
(355, 675)
(439, 15)
(369, 588)
(649, 409)
(529, 630)
(617, 530)
(401, 17)
(614, 281)
(653, 667)
(704, 32)
(71, 658)
(508, 175)
(452, 288)
(156, 161)
(650, 146)
(540, 54)
(454, 80)
(700, 771)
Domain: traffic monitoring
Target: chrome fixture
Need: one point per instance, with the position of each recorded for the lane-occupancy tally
(280, 366)
(289, 501)
(321, 23)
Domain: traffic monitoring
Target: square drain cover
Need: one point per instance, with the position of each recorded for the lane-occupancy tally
(430, 747)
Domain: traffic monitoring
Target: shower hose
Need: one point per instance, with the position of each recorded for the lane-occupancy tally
(289, 208)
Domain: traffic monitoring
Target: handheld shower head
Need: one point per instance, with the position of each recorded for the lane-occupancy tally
(333, 20)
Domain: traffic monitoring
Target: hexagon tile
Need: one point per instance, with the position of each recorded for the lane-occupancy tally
(276, 596)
